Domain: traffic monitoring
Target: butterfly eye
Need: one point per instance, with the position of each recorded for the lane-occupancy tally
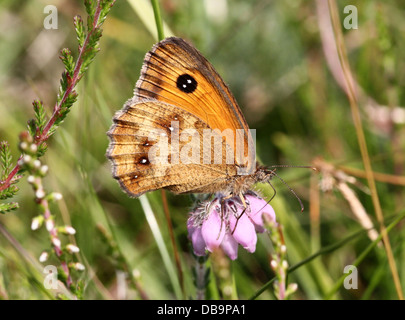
(186, 83)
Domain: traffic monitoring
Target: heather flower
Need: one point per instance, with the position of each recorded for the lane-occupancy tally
(226, 223)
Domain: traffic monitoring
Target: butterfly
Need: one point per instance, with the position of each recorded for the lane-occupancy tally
(183, 129)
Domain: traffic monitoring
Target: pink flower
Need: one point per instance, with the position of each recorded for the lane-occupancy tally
(226, 223)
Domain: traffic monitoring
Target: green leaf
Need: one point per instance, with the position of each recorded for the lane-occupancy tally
(8, 193)
(105, 9)
(81, 35)
(64, 110)
(6, 207)
(5, 158)
(40, 115)
(32, 128)
(91, 10)
(42, 149)
(67, 59)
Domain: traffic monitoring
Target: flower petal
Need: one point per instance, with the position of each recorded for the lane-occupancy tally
(213, 229)
(198, 242)
(258, 206)
(245, 232)
(230, 246)
(190, 225)
(196, 237)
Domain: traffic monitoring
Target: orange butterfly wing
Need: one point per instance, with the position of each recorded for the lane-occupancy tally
(138, 129)
(177, 73)
(178, 84)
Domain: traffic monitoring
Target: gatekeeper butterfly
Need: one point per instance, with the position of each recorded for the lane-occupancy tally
(162, 138)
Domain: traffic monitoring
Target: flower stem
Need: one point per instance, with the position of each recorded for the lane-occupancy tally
(6, 183)
(44, 136)
(351, 95)
(158, 19)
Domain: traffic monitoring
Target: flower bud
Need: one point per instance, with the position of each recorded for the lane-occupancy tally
(284, 264)
(136, 274)
(67, 230)
(23, 146)
(44, 256)
(37, 222)
(43, 170)
(40, 193)
(33, 147)
(31, 179)
(49, 224)
(71, 248)
(293, 287)
(79, 267)
(57, 196)
(56, 242)
(37, 164)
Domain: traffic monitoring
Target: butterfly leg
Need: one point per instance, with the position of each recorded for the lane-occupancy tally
(242, 199)
(222, 202)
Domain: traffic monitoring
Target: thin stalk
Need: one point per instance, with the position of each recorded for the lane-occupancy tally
(173, 240)
(365, 253)
(161, 244)
(38, 140)
(322, 251)
(334, 16)
(158, 19)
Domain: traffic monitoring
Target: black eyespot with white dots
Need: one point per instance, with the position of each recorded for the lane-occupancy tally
(143, 160)
(186, 83)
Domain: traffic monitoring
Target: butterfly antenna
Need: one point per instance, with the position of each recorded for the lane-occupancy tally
(274, 194)
(291, 166)
(240, 216)
(274, 189)
(289, 188)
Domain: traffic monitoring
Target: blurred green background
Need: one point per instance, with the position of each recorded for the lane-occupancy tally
(272, 55)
